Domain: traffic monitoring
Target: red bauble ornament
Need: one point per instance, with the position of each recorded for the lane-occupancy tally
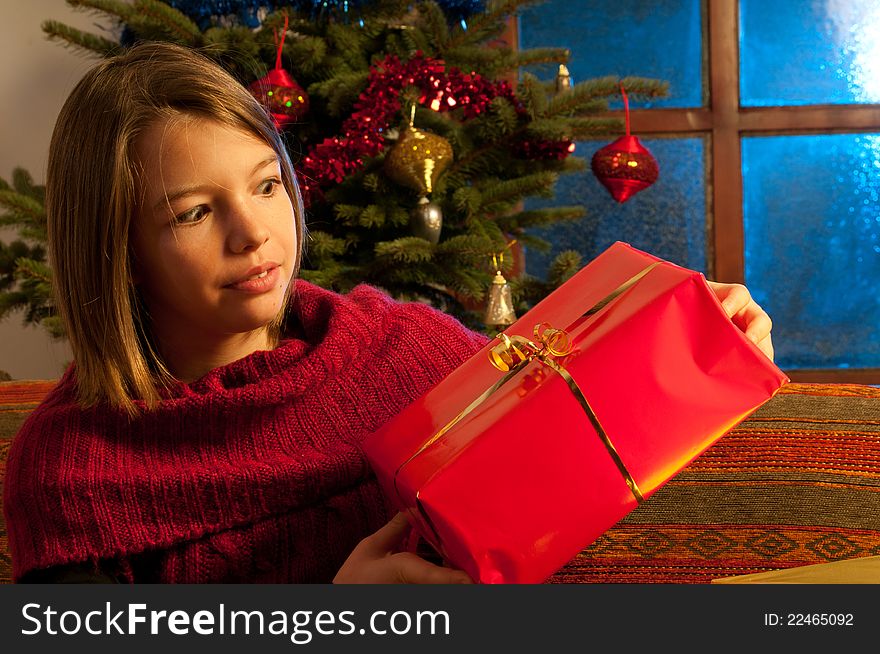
(625, 167)
(283, 97)
(286, 100)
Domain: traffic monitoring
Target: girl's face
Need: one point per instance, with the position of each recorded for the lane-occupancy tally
(214, 241)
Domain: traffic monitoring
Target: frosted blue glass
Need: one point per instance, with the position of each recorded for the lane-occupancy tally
(812, 245)
(662, 39)
(799, 52)
(668, 219)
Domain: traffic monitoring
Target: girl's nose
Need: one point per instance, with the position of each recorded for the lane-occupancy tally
(247, 230)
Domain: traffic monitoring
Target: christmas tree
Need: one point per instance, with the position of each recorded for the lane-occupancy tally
(25, 279)
(416, 131)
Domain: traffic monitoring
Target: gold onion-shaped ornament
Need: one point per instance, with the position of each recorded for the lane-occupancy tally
(416, 161)
(499, 300)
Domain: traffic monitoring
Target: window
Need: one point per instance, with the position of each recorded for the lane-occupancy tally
(769, 153)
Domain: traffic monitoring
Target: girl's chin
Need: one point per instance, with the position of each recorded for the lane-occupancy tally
(246, 324)
(244, 319)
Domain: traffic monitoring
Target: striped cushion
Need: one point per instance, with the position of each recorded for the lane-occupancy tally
(798, 483)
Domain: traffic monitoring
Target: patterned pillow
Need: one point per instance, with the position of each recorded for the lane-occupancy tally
(797, 483)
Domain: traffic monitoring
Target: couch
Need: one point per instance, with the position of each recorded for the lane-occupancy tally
(797, 483)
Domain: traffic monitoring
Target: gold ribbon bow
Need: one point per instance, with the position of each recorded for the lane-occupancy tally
(513, 353)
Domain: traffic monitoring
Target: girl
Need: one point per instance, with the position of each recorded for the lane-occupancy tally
(210, 427)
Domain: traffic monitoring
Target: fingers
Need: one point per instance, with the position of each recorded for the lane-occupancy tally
(389, 537)
(757, 323)
(734, 297)
(413, 569)
(746, 314)
(377, 560)
(766, 346)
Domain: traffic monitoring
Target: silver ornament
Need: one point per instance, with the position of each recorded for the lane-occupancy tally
(426, 220)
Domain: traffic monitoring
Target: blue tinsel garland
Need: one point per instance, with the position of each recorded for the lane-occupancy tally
(205, 12)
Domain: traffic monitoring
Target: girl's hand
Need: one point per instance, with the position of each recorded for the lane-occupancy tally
(376, 560)
(745, 314)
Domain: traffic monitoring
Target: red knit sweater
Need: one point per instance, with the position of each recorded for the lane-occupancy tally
(253, 473)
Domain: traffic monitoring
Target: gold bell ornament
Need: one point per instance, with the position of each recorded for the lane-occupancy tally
(416, 161)
(499, 302)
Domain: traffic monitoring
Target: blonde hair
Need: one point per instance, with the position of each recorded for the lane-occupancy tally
(92, 195)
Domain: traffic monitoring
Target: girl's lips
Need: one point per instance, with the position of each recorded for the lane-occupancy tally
(260, 284)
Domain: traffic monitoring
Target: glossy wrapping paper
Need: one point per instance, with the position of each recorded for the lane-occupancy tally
(523, 482)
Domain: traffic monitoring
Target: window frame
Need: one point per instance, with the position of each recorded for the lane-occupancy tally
(725, 122)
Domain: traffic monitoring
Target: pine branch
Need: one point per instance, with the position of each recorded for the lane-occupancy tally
(644, 88)
(324, 246)
(566, 264)
(527, 290)
(409, 249)
(477, 160)
(395, 215)
(540, 217)
(28, 269)
(465, 248)
(307, 55)
(532, 94)
(8, 256)
(24, 184)
(435, 24)
(467, 200)
(168, 20)
(236, 50)
(582, 93)
(348, 214)
(511, 190)
(415, 40)
(123, 11)
(21, 210)
(341, 90)
(582, 96)
(580, 129)
(490, 23)
(549, 129)
(12, 301)
(536, 56)
(34, 234)
(532, 242)
(467, 283)
(56, 31)
(349, 43)
(54, 326)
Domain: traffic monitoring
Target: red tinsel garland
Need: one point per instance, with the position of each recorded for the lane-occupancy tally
(334, 158)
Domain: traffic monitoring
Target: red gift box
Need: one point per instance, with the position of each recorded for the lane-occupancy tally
(509, 474)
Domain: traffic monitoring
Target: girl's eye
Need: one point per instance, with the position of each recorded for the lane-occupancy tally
(269, 186)
(194, 215)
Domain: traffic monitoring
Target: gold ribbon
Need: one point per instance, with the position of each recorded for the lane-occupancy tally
(513, 353)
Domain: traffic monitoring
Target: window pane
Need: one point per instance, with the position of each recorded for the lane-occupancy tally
(668, 219)
(797, 52)
(661, 39)
(812, 245)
